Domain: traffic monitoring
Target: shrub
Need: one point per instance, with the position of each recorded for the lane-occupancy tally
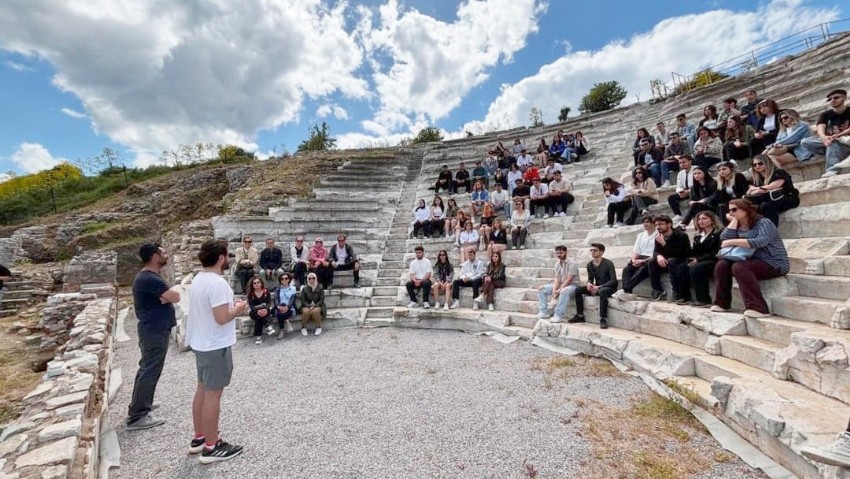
(603, 96)
(700, 79)
(319, 139)
(427, 135)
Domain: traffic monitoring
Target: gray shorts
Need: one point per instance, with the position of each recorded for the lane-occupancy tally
(214, 368)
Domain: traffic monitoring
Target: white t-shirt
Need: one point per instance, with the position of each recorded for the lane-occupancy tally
(420, 267)
(203, 333)
(645, 243)
(499, 198)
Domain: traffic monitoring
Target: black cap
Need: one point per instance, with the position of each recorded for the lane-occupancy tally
(837, 91)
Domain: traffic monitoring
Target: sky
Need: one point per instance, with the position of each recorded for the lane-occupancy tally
(146, 76)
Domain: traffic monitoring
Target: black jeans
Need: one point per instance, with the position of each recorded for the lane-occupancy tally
(633, 275)
(700, 273)
(705, 161)
(153, 347)
(639, 203)
(244, 275)
(344, 267)
(425, 284)
(459, 283)
(260, 323)
(618, 210)
(732, 152)
(604, 293)
(694, 210)
(679, 279)
(299, 271)
(674, 200)
(771, 209)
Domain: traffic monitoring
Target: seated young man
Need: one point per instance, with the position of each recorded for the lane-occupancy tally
(637, 270)
(684, 183)
(686, 130)
(245, 261)
(650, 157)
(549, 172)
(833, 138)
(462, 179)
(562, 288)
(444, 180)
(524, 160)
(601, 281)
(670, 254)
(522, 192)
(559, 194)
(342, 258)
(271, 264)
(479, 173)
(540, 199)
(420, 278)
(501, 201)
(471, 274)
(670, 162)
(662, 137)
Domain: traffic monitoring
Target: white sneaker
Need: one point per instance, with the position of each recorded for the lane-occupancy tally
(437, 306)
(303, 331)
(618, 224)
(426, 305)
(270, 331)
(829, 173)
(556, 319)
(751, 313)
(475, 306)
(446, 307)
(455, 304)
(609, 226)
(677, 218)
(717, 309)
(412, 305)
(490, 307)
(835, 454)
(546, 216)
(666, 183)
(562, 214)
(318, 331)
(522, 247)
(542, 316)
(478, 299)
(259, 340)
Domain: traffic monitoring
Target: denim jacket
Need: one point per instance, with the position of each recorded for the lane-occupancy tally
(793, 137)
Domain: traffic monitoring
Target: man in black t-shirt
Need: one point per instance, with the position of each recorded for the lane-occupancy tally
(462, 179)
(444, 180)
(833, 139)
(153, 302)
(522, 192)
(5, 275)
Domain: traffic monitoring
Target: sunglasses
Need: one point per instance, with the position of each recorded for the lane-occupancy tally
(593, 250)
(247, 241)
(835, 97)
(299, 241)
(784, 117)
(733, 210)
(318, 242)
(758, 163)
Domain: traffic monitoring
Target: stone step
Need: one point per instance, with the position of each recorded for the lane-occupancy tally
(754, 352)
(385, 281)
(17, 293)
(8, 312)
(385, 291)
(9, 303)
(804, 308)
(386, 312)
(383, 301)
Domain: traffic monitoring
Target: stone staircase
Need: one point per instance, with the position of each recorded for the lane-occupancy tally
(17, 292)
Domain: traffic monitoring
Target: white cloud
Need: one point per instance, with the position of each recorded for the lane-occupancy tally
(436, 64)
(154, 74)
(33, 157)
(74, 113)
(673, 44)
(20, 67)
(5, 176)
(331, 109)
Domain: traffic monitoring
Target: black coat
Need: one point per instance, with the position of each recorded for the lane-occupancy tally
(707, 248)
(739, 189)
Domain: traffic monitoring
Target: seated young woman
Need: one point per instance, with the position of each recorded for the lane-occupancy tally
(730, 185)
(738, 137)
(636, 149)
(772, 189)
(421, 219)
(703, 258)
(703, 194)
(641, 194)
(615, 196)
(451, 213)
(767, 127)
(468, 238)
(582, 145)
(520, 220)
(494, 277)
(707, 148)
(497, 238)
(748, 229)
(487, 217)
(441, 279)
(787, 147)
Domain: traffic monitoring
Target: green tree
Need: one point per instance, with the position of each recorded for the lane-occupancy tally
(319, 140)
(565, 112)
(603, 96)
(535, 116)
(427, 135)
(233, 153)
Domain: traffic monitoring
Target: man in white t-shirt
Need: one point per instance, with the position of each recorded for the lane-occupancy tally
(524, 160)
(420, 277)
(501, 200)
(637, 269)
(562, 288)
(210, 333)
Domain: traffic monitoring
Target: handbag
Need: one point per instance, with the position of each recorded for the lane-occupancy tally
(735, 253)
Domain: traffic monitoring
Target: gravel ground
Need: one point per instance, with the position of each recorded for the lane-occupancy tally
(378, 403)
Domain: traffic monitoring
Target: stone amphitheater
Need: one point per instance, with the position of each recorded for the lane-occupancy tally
(781, 382)
(772, 380)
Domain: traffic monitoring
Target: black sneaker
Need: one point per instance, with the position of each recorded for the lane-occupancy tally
(682, 301)
(579, 318)
(221, 452)
(603, 323)
(656, 295)
(196, 446)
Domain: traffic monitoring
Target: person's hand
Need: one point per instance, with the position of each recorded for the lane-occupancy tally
(729, 217)
(692, 261)
(660, 240)
(240, 306)
(540, 288)
(759, 134)
(684, 194)
(828, 139)
(417, 282)
(283, 308)
(662, 261)
(607, 194)
(487, 279)
(556, 293)
(737, 143)
(726, 244)
(263, 313)
(692, 202)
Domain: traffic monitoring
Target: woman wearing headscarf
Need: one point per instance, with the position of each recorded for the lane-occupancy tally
(312, 304)
(319, 265)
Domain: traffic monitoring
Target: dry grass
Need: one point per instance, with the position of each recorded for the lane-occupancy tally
(17, 377)
(651, 439)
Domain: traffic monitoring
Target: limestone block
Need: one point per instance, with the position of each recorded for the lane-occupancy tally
(60, 401)
(12, 444)
(39, 390)
(661, 364)
(767, 416)
(15, 428)
(719, 324)
(55, 368)
(807, 346)
(841, 318)
(712, 345)
(87, 363)
(60, 430)
(782, 361)
(71, 411)
(547, 329)
(59, 452)
(55, 472)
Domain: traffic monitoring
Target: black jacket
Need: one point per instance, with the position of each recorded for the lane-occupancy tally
(707, 192)
(678, 246)
(739, 189)
(271, 259)
(350, 257)
(445, 176)
(770, 136)
(707, 248)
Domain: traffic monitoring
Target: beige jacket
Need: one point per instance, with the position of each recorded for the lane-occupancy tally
(250, 254)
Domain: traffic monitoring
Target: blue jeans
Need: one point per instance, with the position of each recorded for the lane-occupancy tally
(666, 168)
(154, 347)
(563, 299)
(834, 153)
(655, 173)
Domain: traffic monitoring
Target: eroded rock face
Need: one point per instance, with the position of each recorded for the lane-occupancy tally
(36, 243)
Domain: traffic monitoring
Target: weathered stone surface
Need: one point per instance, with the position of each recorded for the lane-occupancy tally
(55, 472)
(56, 402)
(16, 428)
(60, 430)
(88, 363)
(59, 452)
(12, 444)
(41, 389)
(81, 382)
(70, 411)
(712, 345)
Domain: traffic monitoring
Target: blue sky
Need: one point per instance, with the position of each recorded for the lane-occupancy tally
(149, 77)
